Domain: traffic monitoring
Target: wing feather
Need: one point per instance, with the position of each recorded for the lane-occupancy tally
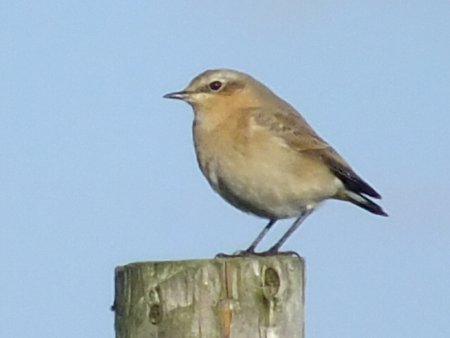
(296, 132)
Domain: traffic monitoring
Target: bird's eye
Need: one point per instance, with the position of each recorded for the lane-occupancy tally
(215, 85)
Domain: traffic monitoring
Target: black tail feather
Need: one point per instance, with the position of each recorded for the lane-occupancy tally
(365, 203)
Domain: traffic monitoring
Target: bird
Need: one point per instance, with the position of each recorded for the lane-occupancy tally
(260, 155)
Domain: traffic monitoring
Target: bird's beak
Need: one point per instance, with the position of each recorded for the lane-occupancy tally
(182, 95)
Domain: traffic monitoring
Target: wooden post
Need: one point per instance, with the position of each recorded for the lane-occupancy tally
(244, 297)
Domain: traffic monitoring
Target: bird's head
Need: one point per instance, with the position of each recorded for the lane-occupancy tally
(220, 88)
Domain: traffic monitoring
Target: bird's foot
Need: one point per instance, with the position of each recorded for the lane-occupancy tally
(249, 253)
(280, 253)
(240, 253)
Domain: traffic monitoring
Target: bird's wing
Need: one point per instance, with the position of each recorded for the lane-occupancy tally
(296, 132)
(289, 126)
(342, 170)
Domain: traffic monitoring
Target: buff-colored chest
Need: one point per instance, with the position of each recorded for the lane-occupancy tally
(254, 169)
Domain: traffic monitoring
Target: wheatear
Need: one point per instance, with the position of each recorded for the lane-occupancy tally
(261, 155)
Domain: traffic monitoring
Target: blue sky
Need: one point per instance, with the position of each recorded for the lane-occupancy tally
(97, 170)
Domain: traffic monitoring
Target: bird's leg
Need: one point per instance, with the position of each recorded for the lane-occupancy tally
(274, 249)
(252, 247)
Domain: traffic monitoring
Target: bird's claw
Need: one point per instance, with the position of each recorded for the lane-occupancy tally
(240, 253)
(268, 253)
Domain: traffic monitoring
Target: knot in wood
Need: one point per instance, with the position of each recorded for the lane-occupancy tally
(155, 312)
(270, 283)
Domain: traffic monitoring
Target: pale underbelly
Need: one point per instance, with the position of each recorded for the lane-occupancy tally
(270, 190)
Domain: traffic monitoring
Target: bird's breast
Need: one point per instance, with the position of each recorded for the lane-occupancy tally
(256, 171)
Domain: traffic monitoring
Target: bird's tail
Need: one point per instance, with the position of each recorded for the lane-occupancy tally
(364, 203)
